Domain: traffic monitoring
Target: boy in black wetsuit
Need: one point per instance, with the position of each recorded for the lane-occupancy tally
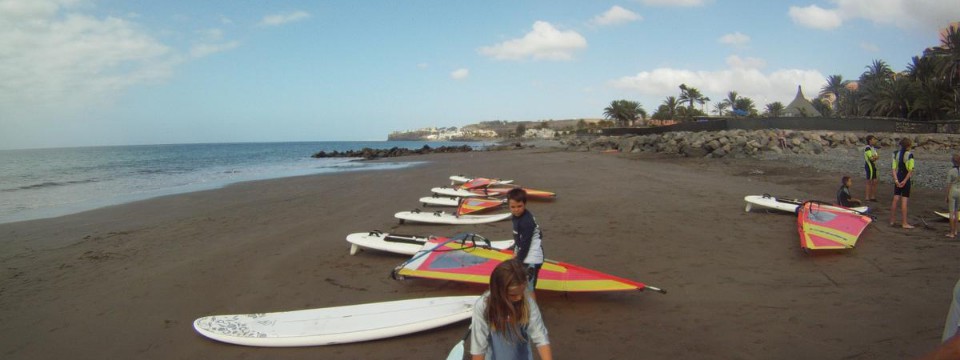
(843, 195)
(527, 236)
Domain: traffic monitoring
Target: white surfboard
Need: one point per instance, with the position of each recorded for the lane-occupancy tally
(440, 201)
(943, 214)
(460, 179)
(782, 204)
(336, 325)
(441, 217)
(409, 244)
(451, 192)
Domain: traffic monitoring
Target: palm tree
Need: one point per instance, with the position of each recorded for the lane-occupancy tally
(745, 106)
(835, 86)
(850, 106)
(691, 95)
(933, 100)
(895, 97)
(720, 107)
(775, 109)
(948, 54)
(671, 105)
(731, 101)
(625, 112)
(871, 81)
(821, 105)
(878, 70)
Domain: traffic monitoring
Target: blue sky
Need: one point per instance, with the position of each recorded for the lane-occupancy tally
(112, 72)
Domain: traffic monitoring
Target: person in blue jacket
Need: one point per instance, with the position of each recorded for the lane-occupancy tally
(527, 236)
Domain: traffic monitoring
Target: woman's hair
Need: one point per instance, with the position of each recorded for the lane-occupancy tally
(502, 314)
(905, 143)
(956, 159)
(870, 137)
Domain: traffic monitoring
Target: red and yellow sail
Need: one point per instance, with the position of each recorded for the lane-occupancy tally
(475, 205)
(826, 227)
(501, 190)
(449, 260)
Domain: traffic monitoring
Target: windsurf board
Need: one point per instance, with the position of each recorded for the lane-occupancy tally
(782, 204)
(441, 217)
(336, 325)
(440, 201)
(943, 214)
(460, 179)
(407, 244)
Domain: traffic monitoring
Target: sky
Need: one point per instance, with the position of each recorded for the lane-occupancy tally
(131, 72)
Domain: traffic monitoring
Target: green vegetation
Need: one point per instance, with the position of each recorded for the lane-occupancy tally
(625, 112)
(775, 109)
(929, 89)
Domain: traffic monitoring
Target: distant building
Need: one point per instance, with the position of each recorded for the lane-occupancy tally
(540, 133)
(655, 122)
(800, 107)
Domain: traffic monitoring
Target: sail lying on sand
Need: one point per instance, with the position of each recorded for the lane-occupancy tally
(826, 227)
(474, 205)
(446, 259)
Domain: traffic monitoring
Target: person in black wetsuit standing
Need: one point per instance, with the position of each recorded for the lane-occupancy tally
(527, 236)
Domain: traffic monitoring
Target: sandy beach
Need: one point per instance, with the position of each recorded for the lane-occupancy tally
(127, 281)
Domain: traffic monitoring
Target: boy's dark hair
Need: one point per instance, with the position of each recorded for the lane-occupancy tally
(905, 143)
(517, 194)
(843, 180)
(870, 137)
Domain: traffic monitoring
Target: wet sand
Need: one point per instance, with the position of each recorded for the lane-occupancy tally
(127, 281)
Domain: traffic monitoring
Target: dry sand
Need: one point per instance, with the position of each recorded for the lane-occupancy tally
(127, 281)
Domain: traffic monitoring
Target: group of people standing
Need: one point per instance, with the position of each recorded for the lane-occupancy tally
(902, 168)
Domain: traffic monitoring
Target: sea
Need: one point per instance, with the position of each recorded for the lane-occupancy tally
(44, 183)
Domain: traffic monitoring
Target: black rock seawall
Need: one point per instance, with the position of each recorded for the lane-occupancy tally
(370, 154)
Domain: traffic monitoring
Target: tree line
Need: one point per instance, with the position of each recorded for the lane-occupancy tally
(929, 89)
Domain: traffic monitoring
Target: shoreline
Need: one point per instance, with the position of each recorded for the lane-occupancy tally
(127, 281)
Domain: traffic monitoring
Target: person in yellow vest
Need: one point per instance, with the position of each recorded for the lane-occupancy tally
(870, 156)
(903, 166)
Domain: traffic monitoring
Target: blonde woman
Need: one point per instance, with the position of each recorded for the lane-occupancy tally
(506, 319)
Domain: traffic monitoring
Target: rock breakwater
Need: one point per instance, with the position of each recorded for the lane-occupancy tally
(371, 154)
(755, 143)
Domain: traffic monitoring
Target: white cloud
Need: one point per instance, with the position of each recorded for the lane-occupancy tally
(681, 3)
(736, 62)
(616, 15)
(460, 74)
(60, 66)
(762, 87)
(737, 39)
(284, 18)
(544, 42)
(54, 59)
(816, 17)
(924, 14)
(869, 47)
(423, 65)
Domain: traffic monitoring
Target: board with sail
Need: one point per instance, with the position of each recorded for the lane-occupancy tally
(450, 260)
(827, 227)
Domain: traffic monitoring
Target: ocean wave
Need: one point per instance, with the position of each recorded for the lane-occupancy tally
(50, 184)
